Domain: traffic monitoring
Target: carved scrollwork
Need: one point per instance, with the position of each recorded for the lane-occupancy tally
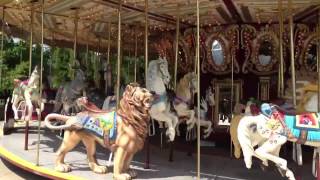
(219, 48)
(185, 63)
(308, 58)
(300, 36)
(262, 55)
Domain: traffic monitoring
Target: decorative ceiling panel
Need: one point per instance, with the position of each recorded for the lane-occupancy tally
(93, 15)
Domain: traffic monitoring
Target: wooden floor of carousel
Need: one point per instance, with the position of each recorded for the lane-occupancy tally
(182, 168)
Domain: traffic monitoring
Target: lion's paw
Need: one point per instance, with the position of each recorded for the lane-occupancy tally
(98, 169)
(123, 176)
(132, 173)
(63, 168)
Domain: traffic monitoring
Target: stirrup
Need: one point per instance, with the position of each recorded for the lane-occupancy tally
(152, 129)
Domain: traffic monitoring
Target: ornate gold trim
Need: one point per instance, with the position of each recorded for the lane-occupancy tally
(229, 40)
(251, 43)
(312, 39)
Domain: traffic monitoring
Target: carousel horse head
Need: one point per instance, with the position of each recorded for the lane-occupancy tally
(79, 69)
(34, 78)
(159, 68)
(80, 75)
(210, 96)
(190, 82)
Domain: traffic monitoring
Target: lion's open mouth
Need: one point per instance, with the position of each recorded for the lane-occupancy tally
(148, 102)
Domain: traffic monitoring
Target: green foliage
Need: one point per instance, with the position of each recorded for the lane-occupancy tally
(127, 69)
(60, 66)
(56, 64)
(19, 72)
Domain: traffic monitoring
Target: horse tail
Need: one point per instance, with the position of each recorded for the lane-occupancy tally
(60, 117)
(58, 100)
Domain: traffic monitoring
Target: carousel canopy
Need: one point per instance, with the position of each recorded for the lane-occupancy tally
(93, 17)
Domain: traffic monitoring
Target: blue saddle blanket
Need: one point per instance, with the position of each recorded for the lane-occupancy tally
(296, 128)
(101, 124)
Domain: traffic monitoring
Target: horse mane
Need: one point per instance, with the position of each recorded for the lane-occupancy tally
(183, 83)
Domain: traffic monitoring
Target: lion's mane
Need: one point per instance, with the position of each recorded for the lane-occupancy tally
(133, 112)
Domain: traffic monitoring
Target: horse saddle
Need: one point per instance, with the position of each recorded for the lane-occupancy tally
(304, 127)
(103, 125)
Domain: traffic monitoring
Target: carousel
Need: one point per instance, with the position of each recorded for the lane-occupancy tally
(181, 89)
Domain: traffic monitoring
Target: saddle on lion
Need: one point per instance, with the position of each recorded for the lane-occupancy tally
(99, 122)
(302, 127)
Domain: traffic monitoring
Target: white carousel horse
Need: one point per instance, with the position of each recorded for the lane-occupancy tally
(186, 88)
(204, 122)
(158, 78)
(29, 92)
(271, 130)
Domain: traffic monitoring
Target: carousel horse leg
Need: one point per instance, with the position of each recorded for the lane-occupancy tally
(14, 108)
(315, 163)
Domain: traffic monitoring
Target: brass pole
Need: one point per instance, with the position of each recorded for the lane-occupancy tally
(146, 40)
(31, 39)
(119, 53)
(135, 54)
(75, 41)
(231, 99)
(318, 59)
(109, 38)
(279, 81)
(293, 74)
(177, 49)
(87, 52)
(107, 82)
(198, 89)
(98, 62)
(2, 44)
(281, 74)
(41, 69)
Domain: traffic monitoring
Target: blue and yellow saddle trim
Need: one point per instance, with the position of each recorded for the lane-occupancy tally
(105, 123)
(299, 123)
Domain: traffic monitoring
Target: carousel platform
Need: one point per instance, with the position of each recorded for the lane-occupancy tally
(182, 168)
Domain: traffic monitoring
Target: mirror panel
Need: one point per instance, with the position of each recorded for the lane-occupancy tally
(217, 52)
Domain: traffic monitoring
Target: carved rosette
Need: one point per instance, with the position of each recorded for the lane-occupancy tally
(252, 43)
(228, 40)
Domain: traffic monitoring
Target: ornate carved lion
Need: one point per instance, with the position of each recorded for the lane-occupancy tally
(127, 138)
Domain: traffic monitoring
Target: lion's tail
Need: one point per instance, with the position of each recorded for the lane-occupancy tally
(60, 117)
